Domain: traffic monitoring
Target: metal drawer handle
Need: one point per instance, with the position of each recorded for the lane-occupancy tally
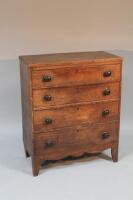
(49, 143)
(105, 135)
(107, 73)
(106, 92)
(47, 78)
(47, 98)
(105, 113)
(48, 121)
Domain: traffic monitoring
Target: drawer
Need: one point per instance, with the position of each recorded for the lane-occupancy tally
(92, 138)
(46, 120)
(49, 97)
(75, 76)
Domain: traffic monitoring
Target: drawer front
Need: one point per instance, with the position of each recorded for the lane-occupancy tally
(93, 138)
(75, 76)
(60, 96)
(46, 120)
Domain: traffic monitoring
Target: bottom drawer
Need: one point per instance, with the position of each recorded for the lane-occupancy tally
(75, 141)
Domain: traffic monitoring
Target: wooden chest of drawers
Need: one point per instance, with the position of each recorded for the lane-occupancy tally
(70, 105)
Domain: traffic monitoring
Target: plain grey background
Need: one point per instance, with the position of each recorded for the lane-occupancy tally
(93, 178)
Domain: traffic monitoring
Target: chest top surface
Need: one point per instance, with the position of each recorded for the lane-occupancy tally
(75, 57)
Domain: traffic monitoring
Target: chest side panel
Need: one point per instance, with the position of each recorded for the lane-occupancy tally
(26, 101)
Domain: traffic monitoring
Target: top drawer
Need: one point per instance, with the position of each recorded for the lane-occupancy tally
(75, 76)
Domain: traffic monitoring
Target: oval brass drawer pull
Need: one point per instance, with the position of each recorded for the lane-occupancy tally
(47, 78)
(106, 92)
(47, 98)
(48, 121)
(107, 73)
(105, 112)
(105, 135)
(49, 143)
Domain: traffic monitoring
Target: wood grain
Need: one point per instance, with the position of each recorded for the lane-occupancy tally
(69, 140)
(76, 115)
(26, 108)
(75, 76)
(59, 58)
(74, 95)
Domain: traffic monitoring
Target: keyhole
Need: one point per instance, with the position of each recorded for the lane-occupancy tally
(77, 108)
